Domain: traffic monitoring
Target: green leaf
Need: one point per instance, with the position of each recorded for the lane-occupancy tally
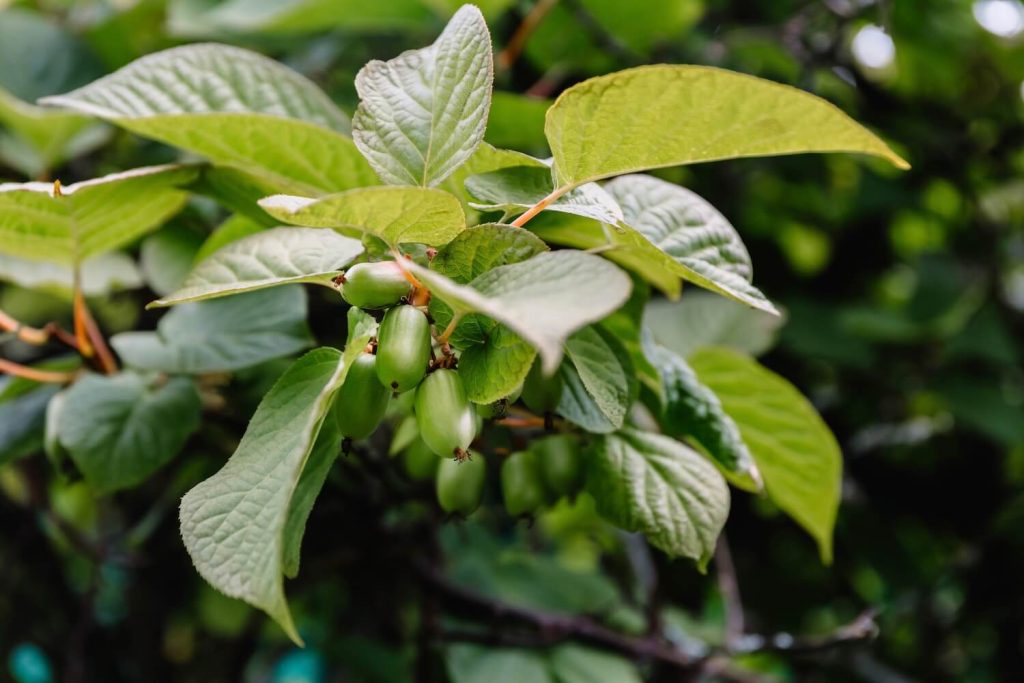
(798, 457)
(475, 664)
(121, 429)
(90, 217)
(498, 360)
(191, 19)
(22, 420)
(694, 411)
(422, 114)
(43, 138)
(99, 275)
(231, 230)
(495, 368)
(395, 214)
(668, 115)
(484, 247)
(702, 245)
(222, 335)
(167, 255)
(576, 664)
(235, 107)
(601, 384)
(514, 190)
(661, 488)
(268, 259)
(700, 319)
(239, 525)
(543, 299)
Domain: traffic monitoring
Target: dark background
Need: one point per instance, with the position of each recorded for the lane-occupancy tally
(903, 294)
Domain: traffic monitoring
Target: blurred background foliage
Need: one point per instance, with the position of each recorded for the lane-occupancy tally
(903, 294)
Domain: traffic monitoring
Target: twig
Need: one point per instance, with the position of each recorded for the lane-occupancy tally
(90, 339)
(550, 628)
(729, 587)
(47, 376)
(508, 56)
(864, 627)
(540, 206)
(34, 335)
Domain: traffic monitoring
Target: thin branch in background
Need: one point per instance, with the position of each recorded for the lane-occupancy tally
(548, 83)
(36, 336)
(90, 339)
(508, 56)
(729, 587)
(36, 375)
(863, 627)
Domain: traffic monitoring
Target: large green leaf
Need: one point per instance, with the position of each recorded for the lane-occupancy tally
(667, 115)
(693, 411)
(236, 108)
(575, 664)
(475, 664)
(600, 383)
(798, 457)
(702, 245)
(239, 525)
(98, 275)
(514, 190)
(494, 360)
(267, 259)
(704, 319)
(166, 257)
(202, 19)
(119, 430)
(89, 217)
(422, 114)
(395, 214)
(222, 335)
(40, 139)
(655, 485)
(543, 299)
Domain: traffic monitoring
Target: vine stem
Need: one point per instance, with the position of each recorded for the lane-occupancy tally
(34, 374)
(443, 338)
(540, 206)
(529, 24)
(90, 339)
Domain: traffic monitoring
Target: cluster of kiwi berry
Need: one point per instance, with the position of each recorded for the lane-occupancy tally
(401, 360)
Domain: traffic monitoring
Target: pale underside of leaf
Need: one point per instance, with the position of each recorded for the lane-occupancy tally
(422, 114)
(266, 259)
(543, 299)
(234, 523)
(395, 214)
(668, 115)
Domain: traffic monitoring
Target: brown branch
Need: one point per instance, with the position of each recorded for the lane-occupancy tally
(729, 587)
(864, 627)
(508, 56)
(34, 335)
(46, 376)
(90, 340)
(550, 628)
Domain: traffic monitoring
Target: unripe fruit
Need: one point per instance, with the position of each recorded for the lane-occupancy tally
(460, 485)
(445, 417)
(561, 464)
(362, 400)
(403, 348)
(541, 394)
(521, 484)
(420, 461)
(375, 285)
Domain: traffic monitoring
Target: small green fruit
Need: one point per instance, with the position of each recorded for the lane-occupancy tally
(403, 348)
(561, 464)
(362, 400)
(522, 485)
(460, 485)
(541, 394)
(445, 417)
(420, 461)
(375, 285)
